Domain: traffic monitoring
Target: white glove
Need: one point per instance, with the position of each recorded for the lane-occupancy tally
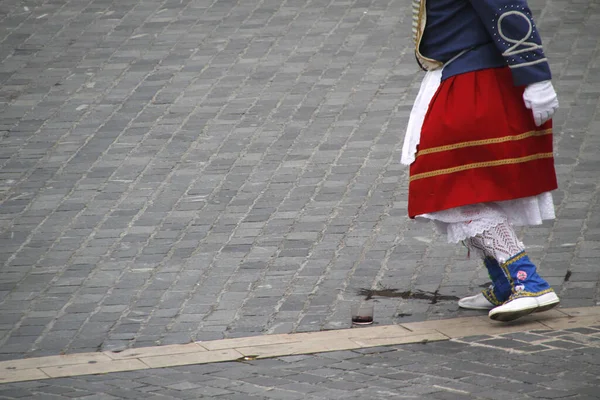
(541, 99)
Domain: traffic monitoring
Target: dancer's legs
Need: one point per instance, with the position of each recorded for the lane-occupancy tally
(517, 289)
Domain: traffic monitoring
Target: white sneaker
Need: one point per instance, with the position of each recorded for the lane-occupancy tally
(477, 302)
(521, 306)
(547, 301)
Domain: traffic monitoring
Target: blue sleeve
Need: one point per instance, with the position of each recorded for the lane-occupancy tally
(511, 26)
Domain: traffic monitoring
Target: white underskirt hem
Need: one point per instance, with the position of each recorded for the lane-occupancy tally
(463, 222)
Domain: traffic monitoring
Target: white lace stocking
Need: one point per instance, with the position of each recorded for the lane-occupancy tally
(500, 242)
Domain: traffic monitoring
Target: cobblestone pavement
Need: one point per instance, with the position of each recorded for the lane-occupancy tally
(526, 365)
(176, 170)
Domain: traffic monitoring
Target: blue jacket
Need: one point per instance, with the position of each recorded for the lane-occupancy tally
(491, 33)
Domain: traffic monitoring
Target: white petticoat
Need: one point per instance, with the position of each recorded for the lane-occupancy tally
(462, 222)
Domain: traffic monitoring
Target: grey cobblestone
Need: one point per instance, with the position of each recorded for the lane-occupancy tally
(482, 367)
(195, 170)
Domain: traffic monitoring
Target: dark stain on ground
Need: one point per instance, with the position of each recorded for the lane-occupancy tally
(567, 276)
(404, 315)
(433, 297)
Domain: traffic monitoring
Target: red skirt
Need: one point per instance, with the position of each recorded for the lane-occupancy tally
(479, 144)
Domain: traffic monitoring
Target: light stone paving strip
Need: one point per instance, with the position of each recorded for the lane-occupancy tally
(286, 345)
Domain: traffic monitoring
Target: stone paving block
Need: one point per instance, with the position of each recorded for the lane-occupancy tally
(180, 138)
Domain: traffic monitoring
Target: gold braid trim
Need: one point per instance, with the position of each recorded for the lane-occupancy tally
(419, 22)
(506, 161)
(483, 142)
(505, 265)
(523, 293)
(491, 297)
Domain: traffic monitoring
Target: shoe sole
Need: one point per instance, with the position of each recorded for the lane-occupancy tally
(535, 310)
(512, 315)
(475, 308)
(547, 306)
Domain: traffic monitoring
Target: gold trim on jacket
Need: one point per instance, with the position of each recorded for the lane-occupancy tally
(418, 27)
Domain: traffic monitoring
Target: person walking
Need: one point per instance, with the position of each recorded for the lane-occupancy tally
(479, 141)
